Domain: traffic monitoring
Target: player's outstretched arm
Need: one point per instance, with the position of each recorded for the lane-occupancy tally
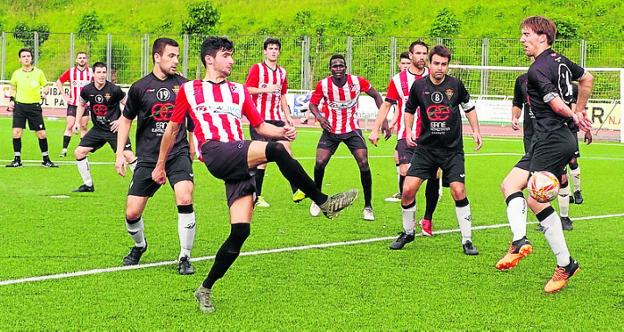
(476, 131)
(122, 138)
(158, 174)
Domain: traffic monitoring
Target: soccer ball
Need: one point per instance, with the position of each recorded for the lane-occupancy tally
(543, 186)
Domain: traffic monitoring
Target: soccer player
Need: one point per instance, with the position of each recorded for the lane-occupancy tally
(340, 93)
(217, 106)
(397, 94)
(78, 76)
(404, 61)
(103, 98)
(438, 143)
(548, 83)
(151, 101)
(29, 86)
(267, 83)
(575, 168)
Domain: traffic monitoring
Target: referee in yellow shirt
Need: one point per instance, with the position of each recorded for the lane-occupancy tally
(29, 85)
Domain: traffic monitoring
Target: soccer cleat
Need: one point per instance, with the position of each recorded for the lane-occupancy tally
(394, 198)
(571, 197)
(470, 249)
(298, 196)
(425, 225)
(260, 202)
(578, 197)
(517, 251)
(84, 189)
(134, 256)
(63, 153)
(338, 202)
(566, 224)
(561, 276)
(184, 266)
(15, 163)
(204, 297)
(401, 241)
(315, 210)
(367, 214)
(49, 163)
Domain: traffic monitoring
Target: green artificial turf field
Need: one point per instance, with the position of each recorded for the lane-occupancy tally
(429, 285)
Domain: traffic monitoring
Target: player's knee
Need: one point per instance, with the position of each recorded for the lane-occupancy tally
(41, 134)
(184, 200)
(79, 154)
(363, 164)
(564, 183)
(133, 214)
(320, 163)
(275, 151)
(458, 194)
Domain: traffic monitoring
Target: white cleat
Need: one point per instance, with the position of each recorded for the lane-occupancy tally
(367, 214)
(394, 198)
(315, 210)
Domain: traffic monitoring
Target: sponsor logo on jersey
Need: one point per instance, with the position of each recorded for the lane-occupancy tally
(162, 111)
(336, 105)
(107, 96)
(221, 108)
(449, 93)
(99, 109)
(437, 97)
(438, 112)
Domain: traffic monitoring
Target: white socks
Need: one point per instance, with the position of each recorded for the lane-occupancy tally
(84, 170)
(137, 232)
(409, 218)
(462, 211)
(564, 201)
(186, 233)
(576, 178)
(554, 235)
(517, 215)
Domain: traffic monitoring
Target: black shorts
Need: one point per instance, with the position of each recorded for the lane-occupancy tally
(257, 137)
(527, 143)
(228, 161)
(550, 152)
(28, 112)
(425, 164)
(71, 111)
(178, 169)
(577, 153)
(404, 151)
(354, 141)
(96, 138)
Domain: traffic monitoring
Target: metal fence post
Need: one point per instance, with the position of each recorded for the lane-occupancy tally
(146, 55)
(3, 59)
(72, 49)
(393, 55)
(185, 58)
(583, 55)
(36, 48)
(109, 56)
(307, 69)
(349, 53)
(485, 60)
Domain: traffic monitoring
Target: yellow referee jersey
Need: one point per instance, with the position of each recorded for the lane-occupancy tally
(28, 85)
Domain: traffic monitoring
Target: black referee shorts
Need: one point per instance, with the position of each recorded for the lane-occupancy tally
(28, 112)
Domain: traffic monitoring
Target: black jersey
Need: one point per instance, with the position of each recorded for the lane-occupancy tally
(151, 100)
(521, 101)
(104, 103)
(551, 76)
(439, 123)
(573, 127)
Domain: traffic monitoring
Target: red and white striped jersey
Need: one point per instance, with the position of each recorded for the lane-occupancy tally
(397, 94)
(340, 102)
(77, 80)
(216, 109)
(269, 104)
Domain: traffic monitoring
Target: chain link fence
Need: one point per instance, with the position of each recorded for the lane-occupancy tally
(306, 58)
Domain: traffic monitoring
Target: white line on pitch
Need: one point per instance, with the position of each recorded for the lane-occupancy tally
(258, 252)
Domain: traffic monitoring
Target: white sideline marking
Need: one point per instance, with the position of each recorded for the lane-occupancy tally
(59, 196)
(258, 252)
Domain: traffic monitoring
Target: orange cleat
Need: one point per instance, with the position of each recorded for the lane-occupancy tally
(561, 276)
(517, 251)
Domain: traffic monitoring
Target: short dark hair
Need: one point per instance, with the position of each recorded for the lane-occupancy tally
(272, 41)
(440, 50)
(159, 46)
(337, 56)
(404, 55)
(81, 52)
(541, 26)
(19, 54)
(418, 42)
(99, 64)
(212, 45)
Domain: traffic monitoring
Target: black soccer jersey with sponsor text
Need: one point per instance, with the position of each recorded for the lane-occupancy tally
(521, 101)
(439, 123)
(104, 103)
(551, 76)
(151, 101)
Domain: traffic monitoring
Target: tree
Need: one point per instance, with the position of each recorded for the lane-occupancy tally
(202, 18)
(445, 24)
(89, 27)
(26, 34)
